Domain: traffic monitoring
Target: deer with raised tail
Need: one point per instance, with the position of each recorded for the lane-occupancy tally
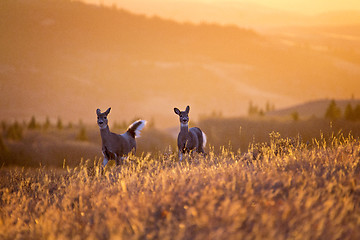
(192, 139)
(117, 146)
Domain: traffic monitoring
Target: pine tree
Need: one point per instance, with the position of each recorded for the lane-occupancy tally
(333, 112)
(82, 136)
(14, 132)
(59, 124)
(47, 123)
(269, 107)
(349, 113)
(253, 110)
(32, 123)
(356, 113)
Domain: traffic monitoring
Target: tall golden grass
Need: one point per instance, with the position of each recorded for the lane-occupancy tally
(301, 193)
(240, 133)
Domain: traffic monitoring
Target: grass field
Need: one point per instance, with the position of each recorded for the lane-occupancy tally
(301, 192)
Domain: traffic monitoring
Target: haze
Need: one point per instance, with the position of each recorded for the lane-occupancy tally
(255, 14)
(301, 6)
(66, 58)
(224, 11)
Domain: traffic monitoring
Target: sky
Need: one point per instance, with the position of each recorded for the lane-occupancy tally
(300, 6)
(304, 6)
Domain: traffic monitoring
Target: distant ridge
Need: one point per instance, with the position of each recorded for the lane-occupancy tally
(316, 108)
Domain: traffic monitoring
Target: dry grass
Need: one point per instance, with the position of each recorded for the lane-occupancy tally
(302, 193)
(241, 132)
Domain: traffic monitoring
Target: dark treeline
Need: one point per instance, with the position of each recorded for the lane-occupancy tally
(351, 113)
(51, 143)
(47, 143)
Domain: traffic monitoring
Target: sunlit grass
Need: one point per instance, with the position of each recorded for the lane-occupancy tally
(309, 191)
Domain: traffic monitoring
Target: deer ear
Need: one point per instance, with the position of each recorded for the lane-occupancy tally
(187, 109)
(177, 111)
(98, 112)
(108, 111)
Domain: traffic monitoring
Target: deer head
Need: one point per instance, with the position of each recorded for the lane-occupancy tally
(102, 119)
(184, 115)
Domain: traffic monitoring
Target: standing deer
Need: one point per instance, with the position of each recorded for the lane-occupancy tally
(189, 139)
(115, 146)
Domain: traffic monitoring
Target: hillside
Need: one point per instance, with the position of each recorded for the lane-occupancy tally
(64, 58)
(313, 108)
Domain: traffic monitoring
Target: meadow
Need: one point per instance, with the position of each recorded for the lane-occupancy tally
(288, 190)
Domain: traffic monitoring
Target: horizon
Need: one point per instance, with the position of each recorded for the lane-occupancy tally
(306, 7)
(254, 14)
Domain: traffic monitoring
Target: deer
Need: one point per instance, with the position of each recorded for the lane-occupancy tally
(117, 146)
(193, 139)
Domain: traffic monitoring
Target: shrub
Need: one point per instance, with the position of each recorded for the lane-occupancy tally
(357, 112)
(3, 147)
(295, 116)
(14, 132)
(82, 136)
(59, 124)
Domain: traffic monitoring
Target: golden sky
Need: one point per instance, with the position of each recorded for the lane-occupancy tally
(304, 6)
(299, 6)
(282, 65)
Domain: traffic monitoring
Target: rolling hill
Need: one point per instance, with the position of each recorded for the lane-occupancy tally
(65, 59)
(314, 108)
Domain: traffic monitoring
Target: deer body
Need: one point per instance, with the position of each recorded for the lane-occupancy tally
(192, 139)
(114, 145)
(117, 146)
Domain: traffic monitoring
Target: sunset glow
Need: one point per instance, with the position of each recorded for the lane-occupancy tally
(277, 52)
(256, 14)
(252, 112)
(299, 6)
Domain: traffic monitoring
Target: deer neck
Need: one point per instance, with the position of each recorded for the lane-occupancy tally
(104, 132)
(184, 128)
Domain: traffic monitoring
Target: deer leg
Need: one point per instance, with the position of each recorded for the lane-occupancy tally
(117, 160)
(122, 160)
(180, 156)
(201, 151)
(105, 161)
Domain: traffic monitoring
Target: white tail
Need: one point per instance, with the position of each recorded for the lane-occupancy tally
(204, 139)
(136, 127)
(115, 146)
